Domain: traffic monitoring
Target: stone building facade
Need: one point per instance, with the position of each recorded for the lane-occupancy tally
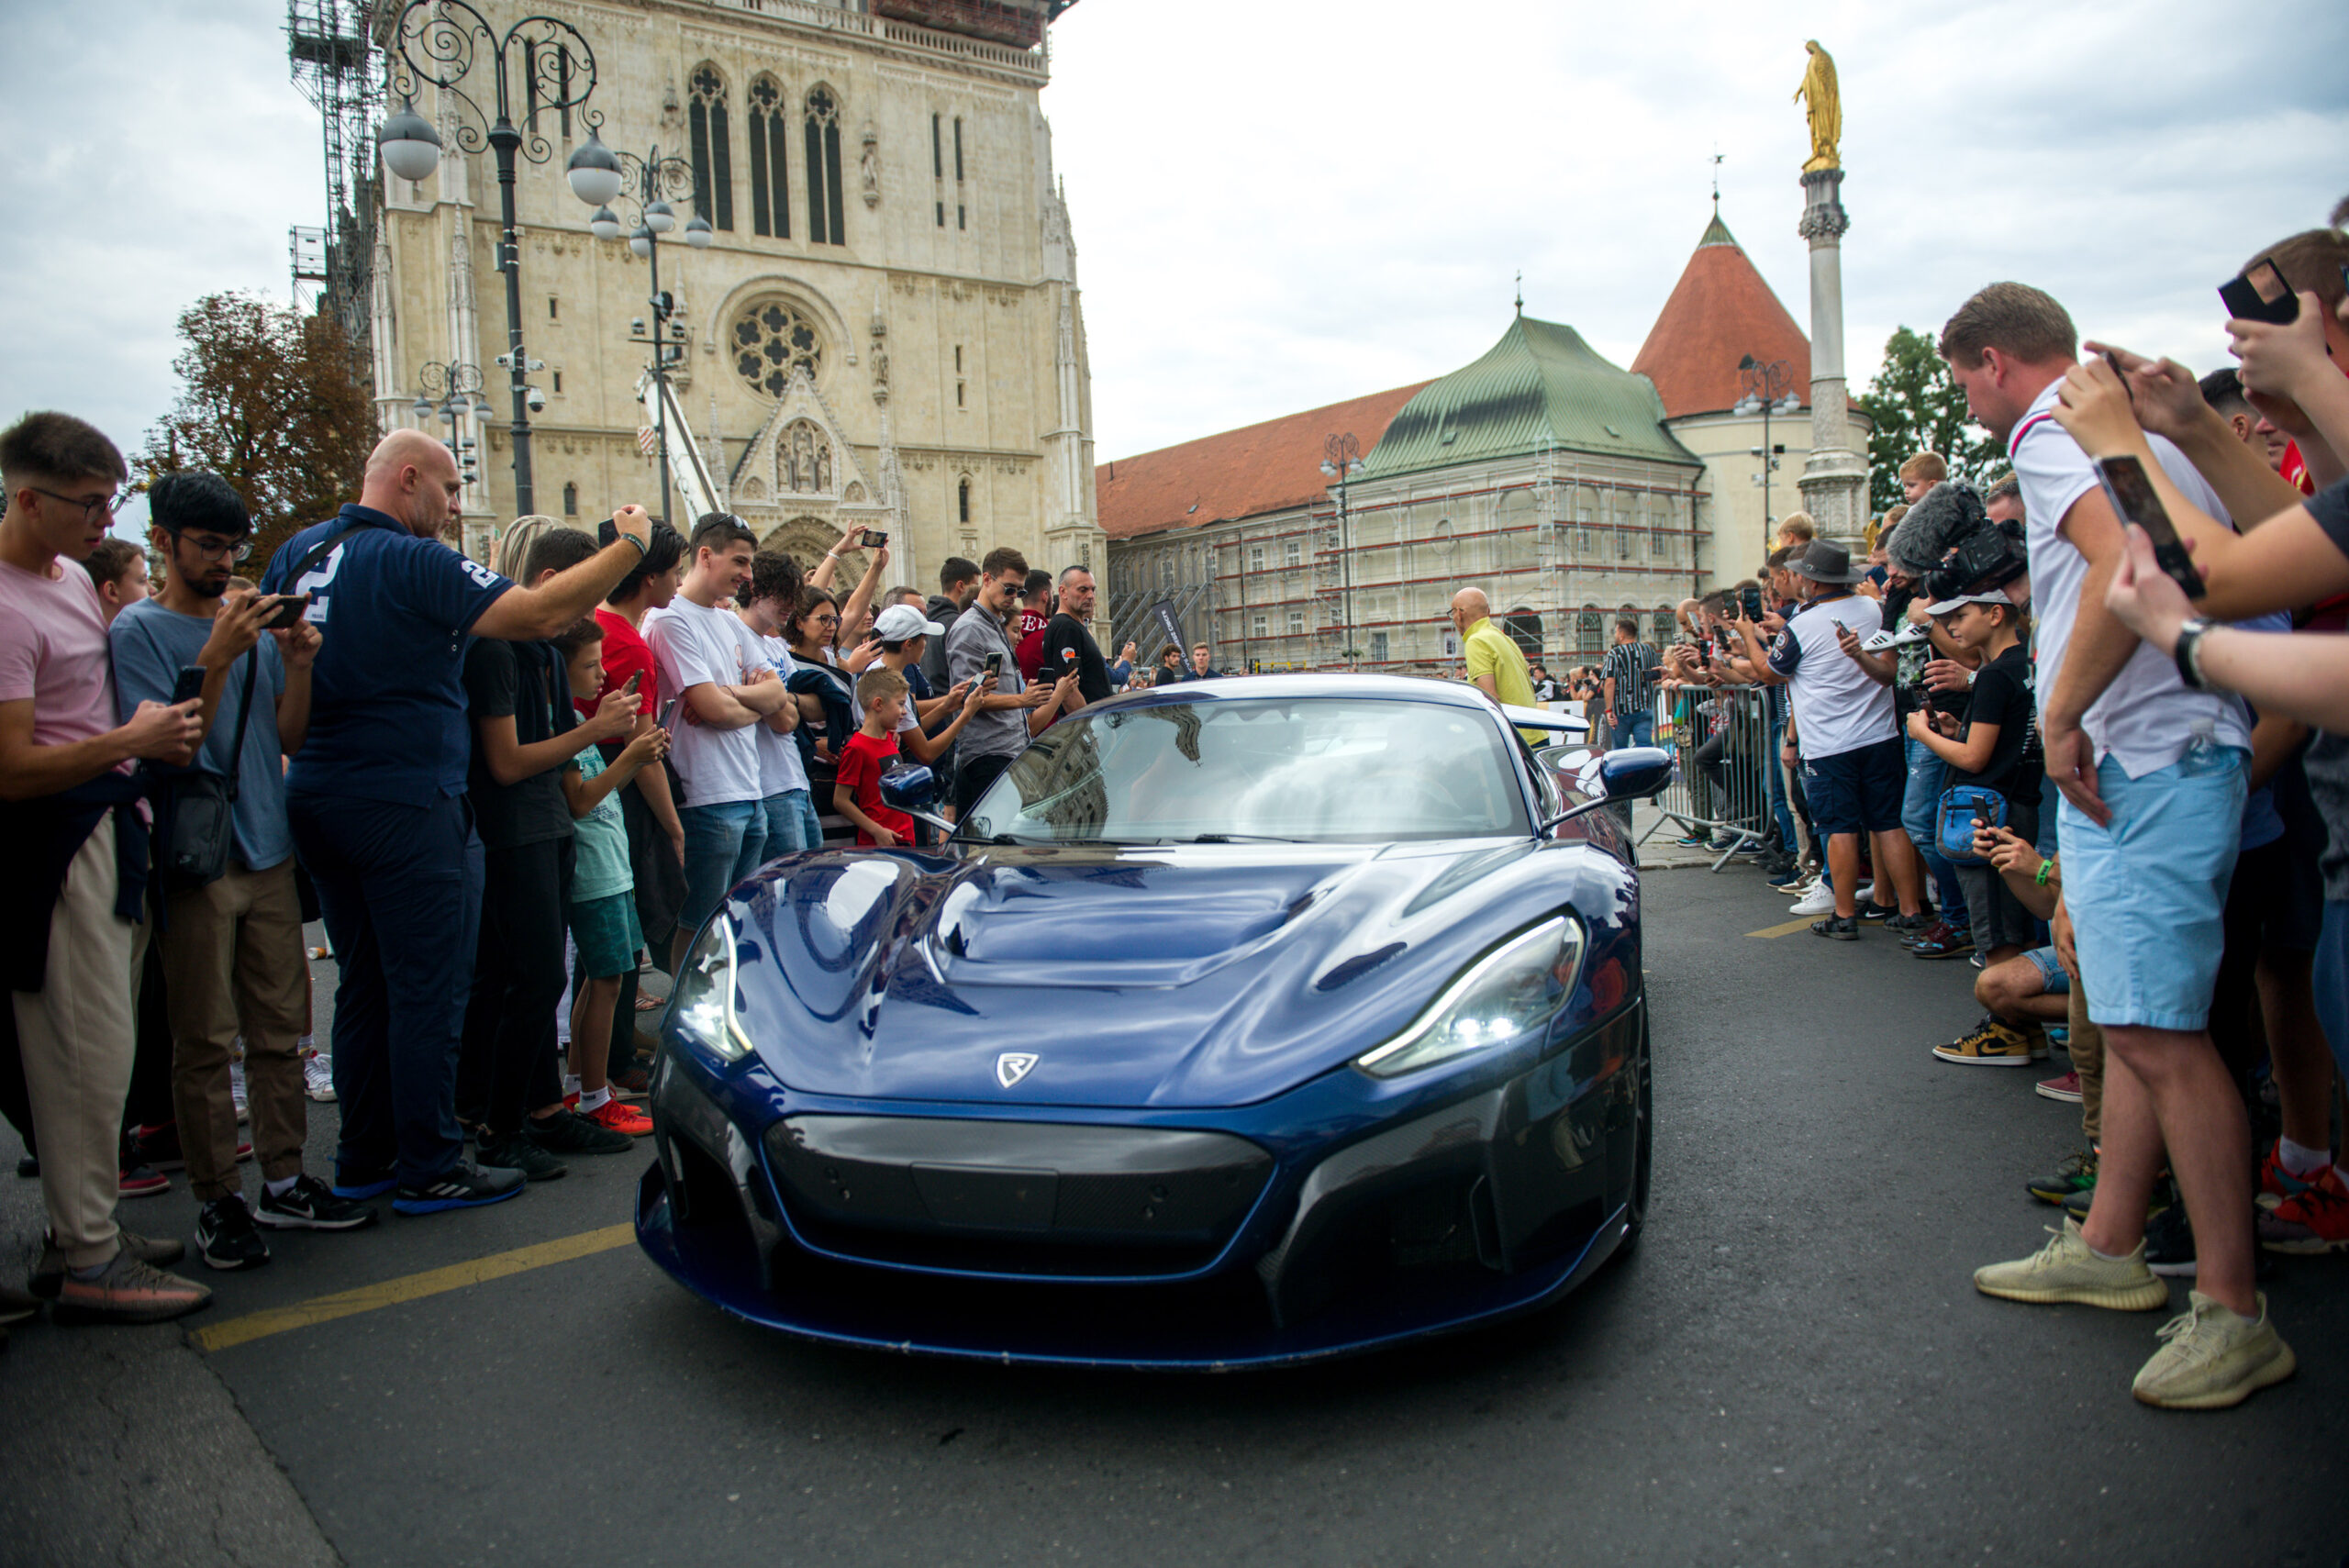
(887, 328)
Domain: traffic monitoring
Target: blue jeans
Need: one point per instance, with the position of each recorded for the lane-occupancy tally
(2333, 980)
(1634, 729)
(1774, 772)
(400, 888)
(722, 845)
(1928, 775)
(792, 824)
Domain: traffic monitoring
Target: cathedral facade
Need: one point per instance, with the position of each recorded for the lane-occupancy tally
(886, 330)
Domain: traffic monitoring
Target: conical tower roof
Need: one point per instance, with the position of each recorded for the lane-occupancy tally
(1719, 312)
(1540, 386)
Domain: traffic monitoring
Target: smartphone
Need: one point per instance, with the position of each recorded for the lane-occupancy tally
(190, 684)
(668, 712)
(874, 538)
(2131, 495)
(628, 687)
(995, 662)
(2260, 293)
(2114, 361)
(289, 611)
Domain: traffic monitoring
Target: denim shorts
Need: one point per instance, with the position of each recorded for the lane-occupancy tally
(2052, 978)
(2147, 894)
(1858, 791)
(722, 845)
(607, 935)
(791, 824)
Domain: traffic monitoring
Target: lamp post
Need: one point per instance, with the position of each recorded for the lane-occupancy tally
(1341, 460)
(451, 391)
(599, 177)
(1769, 389)
(441, 41)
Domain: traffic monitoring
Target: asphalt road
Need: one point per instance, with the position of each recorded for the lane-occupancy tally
(1794, 1369)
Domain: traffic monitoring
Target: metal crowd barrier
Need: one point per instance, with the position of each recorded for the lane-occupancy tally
(1723, 737)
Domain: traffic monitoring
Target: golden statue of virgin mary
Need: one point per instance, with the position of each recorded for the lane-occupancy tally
(1825, 108)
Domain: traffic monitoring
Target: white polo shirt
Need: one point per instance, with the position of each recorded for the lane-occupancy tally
(1838, 706)
(2146, 717)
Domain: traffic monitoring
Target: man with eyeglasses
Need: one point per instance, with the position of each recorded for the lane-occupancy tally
(74, 881)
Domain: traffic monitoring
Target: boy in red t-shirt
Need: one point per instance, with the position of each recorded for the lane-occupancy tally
(883, 695)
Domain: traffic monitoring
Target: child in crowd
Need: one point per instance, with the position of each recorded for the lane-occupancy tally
(883, 695)
(601, 914)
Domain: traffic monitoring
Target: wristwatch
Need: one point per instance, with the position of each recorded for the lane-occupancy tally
(2188, 654)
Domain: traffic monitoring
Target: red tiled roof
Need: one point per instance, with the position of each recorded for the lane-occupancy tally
(1719, 312)
(1240, 473)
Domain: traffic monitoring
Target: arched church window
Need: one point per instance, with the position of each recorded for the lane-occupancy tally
(713, 148)
(770, 175)
(1590, 629)
(826, 218)
(963, 500)
(769, 338)
(1664, 626)
(571, 500)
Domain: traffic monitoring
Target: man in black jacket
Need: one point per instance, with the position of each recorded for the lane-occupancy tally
(1069, 648)
(958, 584)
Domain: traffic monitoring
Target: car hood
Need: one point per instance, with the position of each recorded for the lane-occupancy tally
(1169, 977)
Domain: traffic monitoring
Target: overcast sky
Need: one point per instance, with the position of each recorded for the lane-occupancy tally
(1284, 203)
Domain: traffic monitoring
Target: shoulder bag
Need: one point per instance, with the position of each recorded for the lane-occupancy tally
(1961, 806)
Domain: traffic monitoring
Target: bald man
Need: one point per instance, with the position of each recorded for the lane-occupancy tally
(376, 797)
(1495, 662)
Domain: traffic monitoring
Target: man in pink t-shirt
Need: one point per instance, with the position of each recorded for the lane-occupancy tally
(66, 791)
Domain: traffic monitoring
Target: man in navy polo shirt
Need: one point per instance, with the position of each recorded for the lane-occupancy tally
(377, 801)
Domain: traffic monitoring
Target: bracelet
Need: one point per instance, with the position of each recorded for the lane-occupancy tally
(2044, 867)
(2188, 654)
(640, 551)
(831, 555)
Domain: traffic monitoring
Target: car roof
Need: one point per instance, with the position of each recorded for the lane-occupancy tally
(1336, 684)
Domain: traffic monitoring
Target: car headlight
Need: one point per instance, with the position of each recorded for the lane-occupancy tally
(1512, 991)
(704, 1005)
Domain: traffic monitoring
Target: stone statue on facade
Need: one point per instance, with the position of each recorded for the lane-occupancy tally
(1825, 107)
(870, 164)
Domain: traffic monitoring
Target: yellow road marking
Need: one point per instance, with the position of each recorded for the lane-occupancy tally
(1786, 930)
(411, 1287)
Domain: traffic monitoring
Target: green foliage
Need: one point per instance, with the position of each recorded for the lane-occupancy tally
(1916, 407)
(269, 400)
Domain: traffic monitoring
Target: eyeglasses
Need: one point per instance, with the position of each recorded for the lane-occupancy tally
(89, 503)
(232, 549)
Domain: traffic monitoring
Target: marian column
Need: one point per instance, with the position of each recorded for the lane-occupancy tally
(1834, 480)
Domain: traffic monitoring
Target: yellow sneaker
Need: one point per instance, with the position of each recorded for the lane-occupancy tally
(2066, 1270)
(2211, 1358)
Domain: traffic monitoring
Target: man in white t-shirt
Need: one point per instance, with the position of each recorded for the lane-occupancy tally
(714, 668)
(2152, 776)
(765, 608)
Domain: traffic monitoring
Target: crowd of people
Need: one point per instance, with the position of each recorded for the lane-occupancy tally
(2068, 725)
(2071, 726)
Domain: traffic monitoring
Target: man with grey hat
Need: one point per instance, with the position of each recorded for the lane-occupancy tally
(1852, 769)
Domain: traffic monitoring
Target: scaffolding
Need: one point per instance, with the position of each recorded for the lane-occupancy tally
(331, 45)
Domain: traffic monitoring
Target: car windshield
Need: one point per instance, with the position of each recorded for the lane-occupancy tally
(1323, 770)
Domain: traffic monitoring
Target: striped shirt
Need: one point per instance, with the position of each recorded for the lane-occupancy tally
(1631, 666)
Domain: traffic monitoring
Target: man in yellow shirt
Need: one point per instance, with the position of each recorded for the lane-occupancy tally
(1495, 662)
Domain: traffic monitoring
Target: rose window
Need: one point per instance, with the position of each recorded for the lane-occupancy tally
(769, 339)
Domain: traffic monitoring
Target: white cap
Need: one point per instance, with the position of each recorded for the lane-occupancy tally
(1943, 606)
(903, 623)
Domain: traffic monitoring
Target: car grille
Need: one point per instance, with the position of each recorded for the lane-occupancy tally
(1015, 1199)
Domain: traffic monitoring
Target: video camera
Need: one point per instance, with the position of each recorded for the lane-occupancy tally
(1987, 558)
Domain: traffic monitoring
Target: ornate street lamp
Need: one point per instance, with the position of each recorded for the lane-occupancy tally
(441, 42)
(450, 392)
(1769, 389)
(1341, 460)
(600, 177)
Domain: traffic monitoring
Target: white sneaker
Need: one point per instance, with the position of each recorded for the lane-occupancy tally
(1861, 899)
(237, 1090)
(1818, 900)
(317, 1076)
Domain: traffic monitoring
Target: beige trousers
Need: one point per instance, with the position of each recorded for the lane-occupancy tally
(2087, 1046)
(233, 963)
(77, 1033)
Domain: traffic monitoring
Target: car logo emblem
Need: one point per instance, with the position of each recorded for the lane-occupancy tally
(1012, 1066)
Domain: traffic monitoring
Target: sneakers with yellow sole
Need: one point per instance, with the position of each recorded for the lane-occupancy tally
(2066, 1270)
(2211, 1359)
(1994, 1044)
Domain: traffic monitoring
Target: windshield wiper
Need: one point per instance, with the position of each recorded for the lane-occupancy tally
(1241, 838)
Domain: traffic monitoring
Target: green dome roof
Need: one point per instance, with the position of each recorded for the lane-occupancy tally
(1539, 385)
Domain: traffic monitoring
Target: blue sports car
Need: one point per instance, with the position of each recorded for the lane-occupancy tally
(1241, 1022)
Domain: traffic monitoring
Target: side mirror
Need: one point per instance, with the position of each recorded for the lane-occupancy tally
(1628, 773)
(908, 789)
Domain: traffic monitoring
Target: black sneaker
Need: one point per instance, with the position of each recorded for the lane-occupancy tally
(1909, 928)
(568, 1132)
(225, 1237)
(462, 1185)
(517, 1152)
(310, 1205)
(1874, 911)
(1845, 929)
(2169, 1247)
(28, 1166)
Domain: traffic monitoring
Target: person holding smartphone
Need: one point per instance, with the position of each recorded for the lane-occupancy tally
(1006, 717)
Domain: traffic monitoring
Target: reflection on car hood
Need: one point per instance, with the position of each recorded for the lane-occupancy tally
(1176, 976)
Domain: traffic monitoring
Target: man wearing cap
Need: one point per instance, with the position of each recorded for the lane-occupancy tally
(1852, 769)
(903, 634)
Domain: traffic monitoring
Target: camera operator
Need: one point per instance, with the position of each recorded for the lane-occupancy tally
(376, 801)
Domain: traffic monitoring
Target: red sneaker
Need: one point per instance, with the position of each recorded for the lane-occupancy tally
(620, 1118)
(2315, 1219)
(2276, 1184)
(2067, 1088)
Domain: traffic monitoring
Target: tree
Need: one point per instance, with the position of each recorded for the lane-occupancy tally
(1916, 407)
(270, 401)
